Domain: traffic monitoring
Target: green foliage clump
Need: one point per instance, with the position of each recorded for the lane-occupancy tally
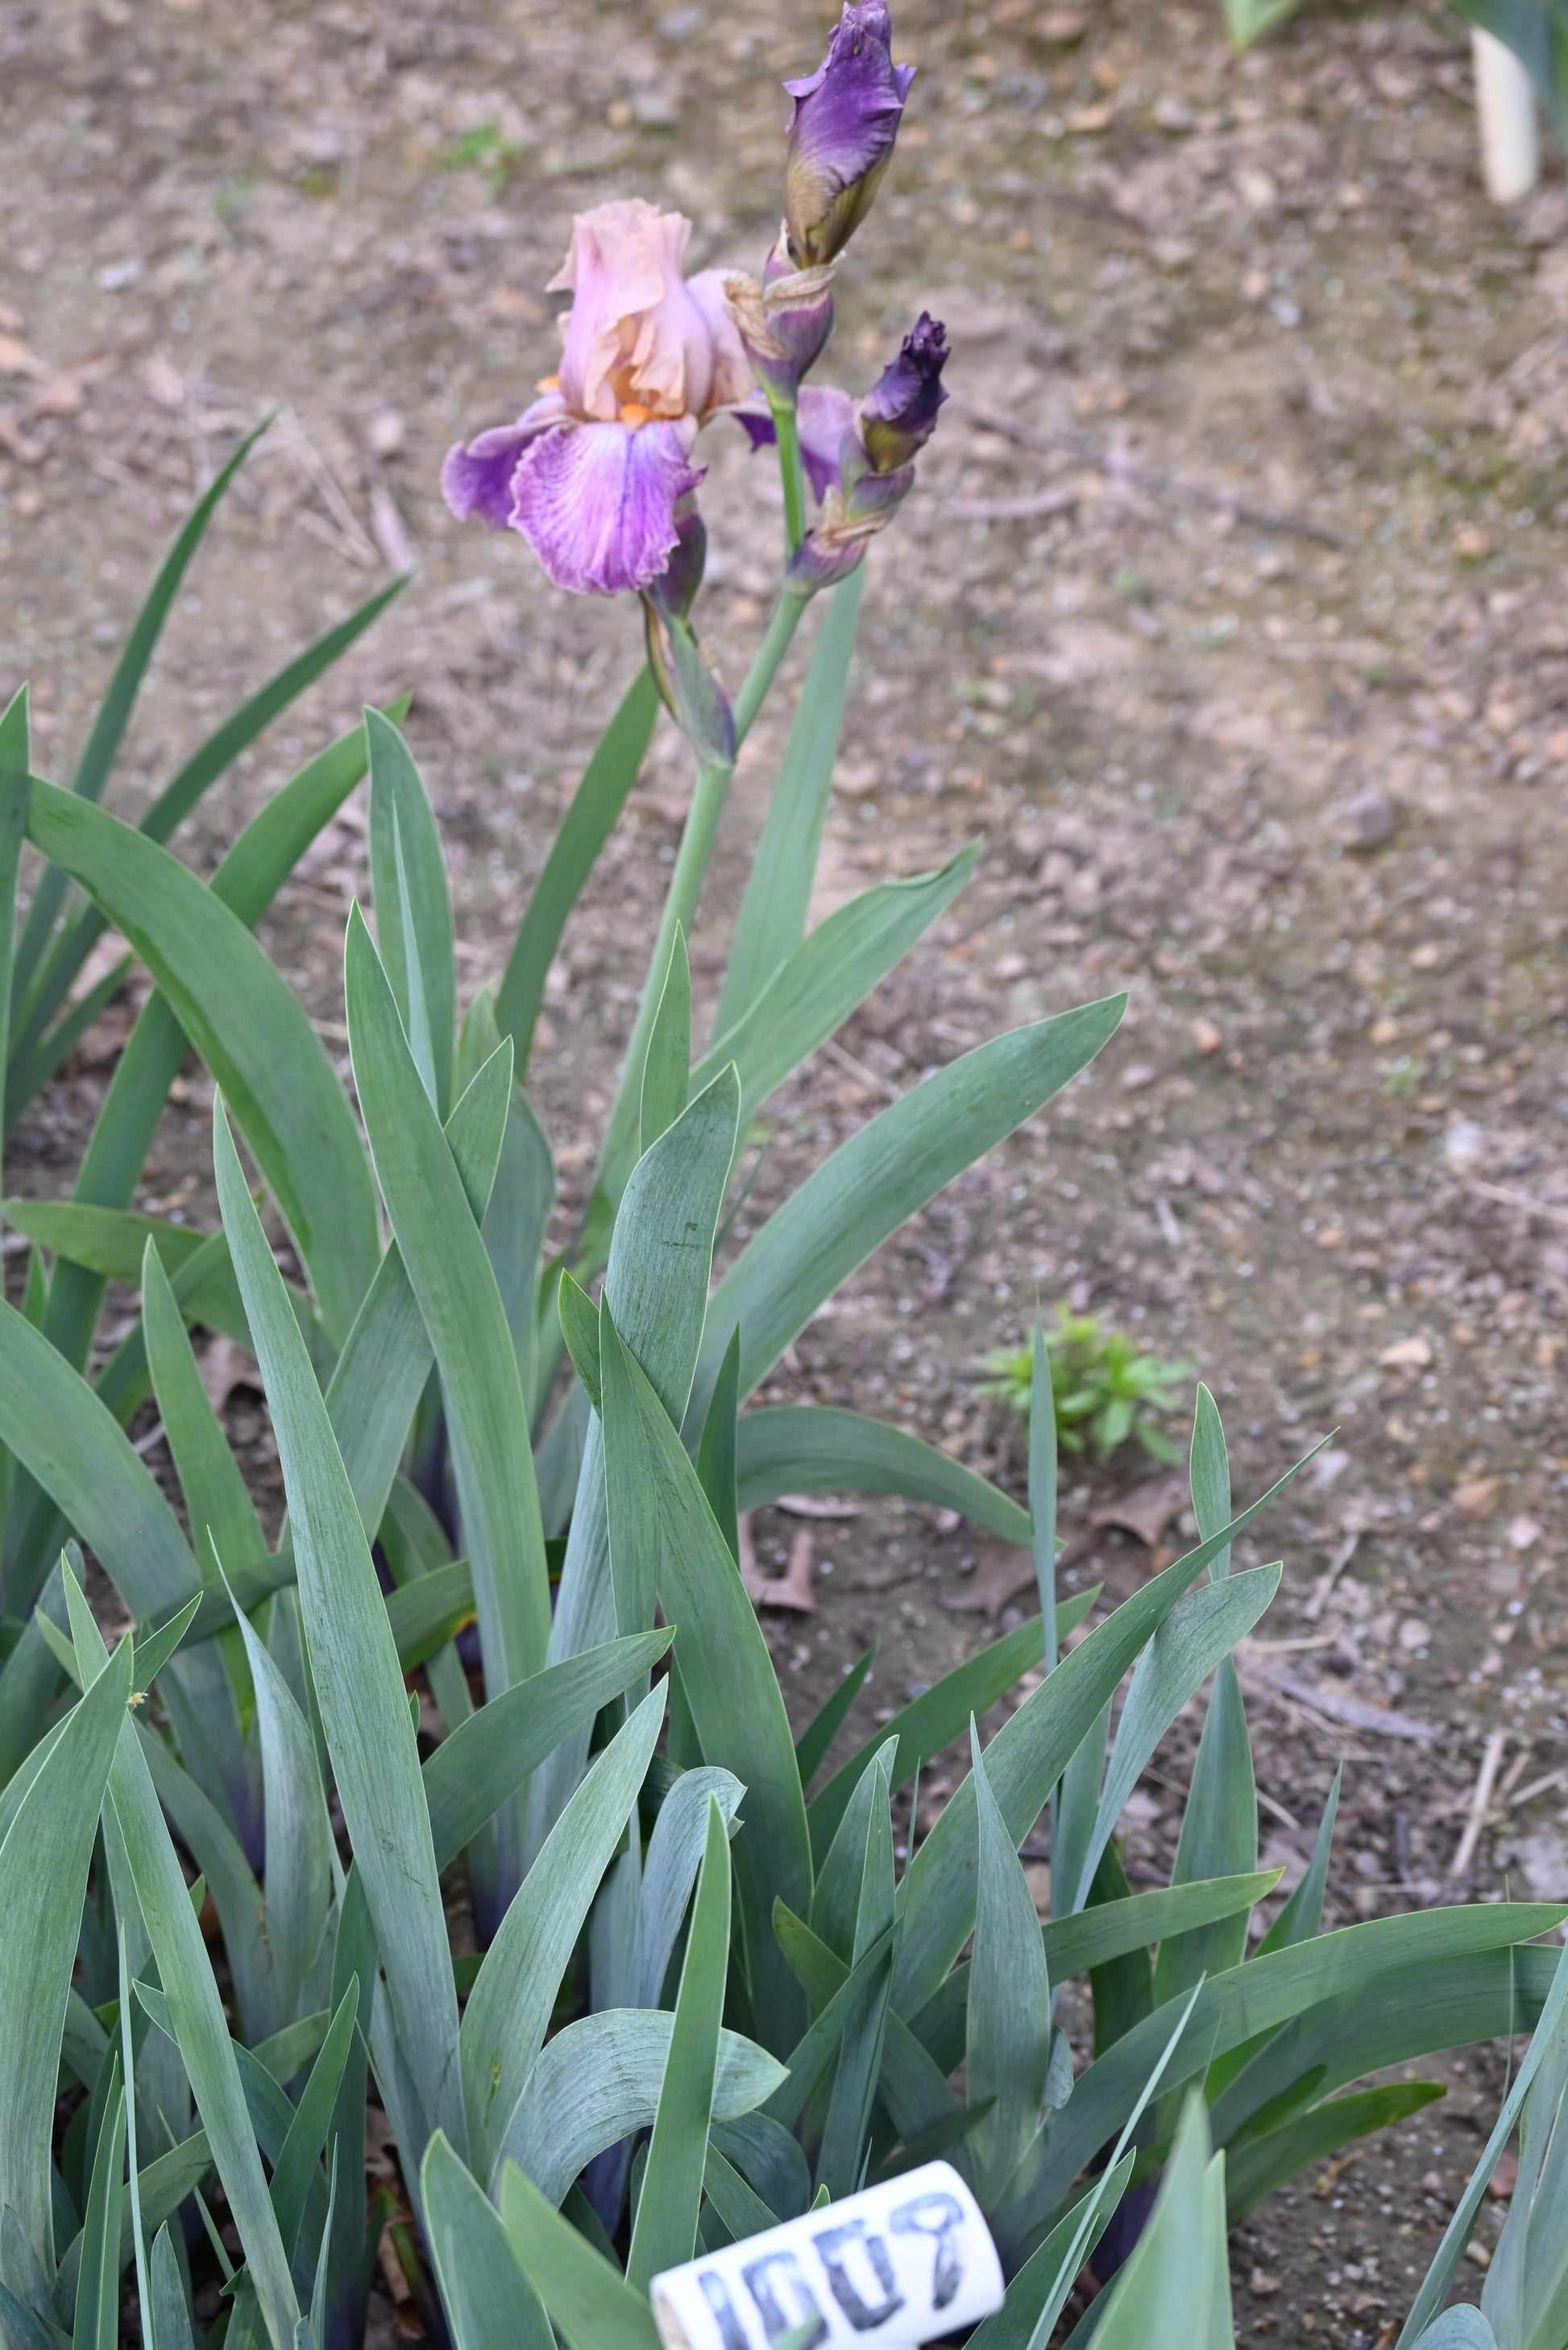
(1105, 1387)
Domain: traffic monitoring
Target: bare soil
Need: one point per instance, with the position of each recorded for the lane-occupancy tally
(1228, 614)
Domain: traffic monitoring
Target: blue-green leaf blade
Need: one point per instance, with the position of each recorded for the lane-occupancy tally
(43, 1863)
(589, 2301)
(488, 2300)
(439, 1241)
(732, 1691)
(398, 791)
(509, 2009)
(253, 1033)
(358, 1680)
(665, 2232)
(823, 1449)
(881, 1177)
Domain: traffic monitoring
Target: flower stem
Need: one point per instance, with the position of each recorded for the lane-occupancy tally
(788, 436)
(619, 1154)
(766, 662)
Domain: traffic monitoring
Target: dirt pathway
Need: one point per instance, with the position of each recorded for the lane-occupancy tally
(1228, 613)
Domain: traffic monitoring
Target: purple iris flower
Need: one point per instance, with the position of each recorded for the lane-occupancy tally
(846, 118)
(593, 472)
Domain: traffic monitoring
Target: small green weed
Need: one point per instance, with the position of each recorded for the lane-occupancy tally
(1104, 1385)
(1404, 1076)
(486, 147)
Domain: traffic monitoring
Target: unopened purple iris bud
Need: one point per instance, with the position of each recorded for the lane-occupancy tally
(859, 461)
(691, 693)
(784, 318)
(841, 140)
(899, 416)
(675, 588)
(853, 511)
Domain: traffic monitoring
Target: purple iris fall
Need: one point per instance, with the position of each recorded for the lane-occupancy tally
(846, 118)
(593, 472)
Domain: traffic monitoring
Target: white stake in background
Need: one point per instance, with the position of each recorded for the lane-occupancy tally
(1505, 104)
(893, 2266)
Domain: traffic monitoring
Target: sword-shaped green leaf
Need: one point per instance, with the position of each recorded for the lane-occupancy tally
(664, 2235)
(195, 2011)
(586, 826)
(1008, 2043)
(1182, 1653)
(358, 1678)
(439, 1241)
(729, 1683)
(825, 977)
(43, 1863)
(589, 2301)
(509, 2008)
(488, 2300)
(403, 835)
(598, 2081)
(822, 1449)
(878, 1178)
(252, 1032)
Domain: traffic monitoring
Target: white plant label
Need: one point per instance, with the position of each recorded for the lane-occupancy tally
(894, 2265)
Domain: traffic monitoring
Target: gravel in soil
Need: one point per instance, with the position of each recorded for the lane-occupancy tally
(1227, 614)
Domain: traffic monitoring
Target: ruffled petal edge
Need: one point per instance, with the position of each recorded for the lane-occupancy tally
(597, 502)
(476, 475)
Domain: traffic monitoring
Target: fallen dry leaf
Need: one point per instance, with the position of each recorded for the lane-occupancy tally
(16, 358)
(1146, 1513)
(793, 1587)
(1332, 2172)
(987, 1591)
(64, 393)
(1477, 1496)
(15, 443)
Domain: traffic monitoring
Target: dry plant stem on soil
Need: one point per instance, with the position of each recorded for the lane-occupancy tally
(1486, 1778)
